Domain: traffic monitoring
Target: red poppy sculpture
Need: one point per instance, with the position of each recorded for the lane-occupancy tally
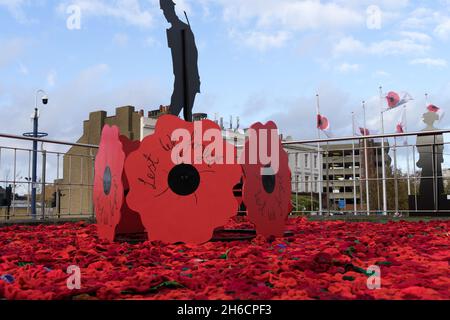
(110, 186)
(266, 191)
(179, 199)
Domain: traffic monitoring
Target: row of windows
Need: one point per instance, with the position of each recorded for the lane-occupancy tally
(308, 185)
(306, 161)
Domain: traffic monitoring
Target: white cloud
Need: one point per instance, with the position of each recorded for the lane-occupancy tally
(349, 45)
(51, 78)
(11, 49)
(420, 18)
(120, 39)
(297, 117)
(128, 11)
(15, 8)
(93, 72)
(381, 73)
(85, 93)
(23, 69)
(260, 40)
(443, 30)
(441, 63)
(348, 67)
(416, 36)
(290, 14)
(151, 42)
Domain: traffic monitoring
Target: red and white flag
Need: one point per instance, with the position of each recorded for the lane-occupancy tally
(401, 125)
(364, 131)
(395, 100)
(323, 124)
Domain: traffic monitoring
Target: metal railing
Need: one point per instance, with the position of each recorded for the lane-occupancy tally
(64, 183)
(331, 169)
(347, 188)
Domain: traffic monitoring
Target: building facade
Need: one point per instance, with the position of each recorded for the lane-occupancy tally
(344, 175)
(305, 162)
(74, 190)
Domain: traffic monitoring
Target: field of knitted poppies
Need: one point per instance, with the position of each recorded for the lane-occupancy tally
(322, 260)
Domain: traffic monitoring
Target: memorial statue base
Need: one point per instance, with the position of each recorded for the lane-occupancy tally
(425, 207)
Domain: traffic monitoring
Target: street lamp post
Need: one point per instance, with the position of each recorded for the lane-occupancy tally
(35, 134)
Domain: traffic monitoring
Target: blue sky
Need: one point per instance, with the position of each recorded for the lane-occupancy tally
(259, 59)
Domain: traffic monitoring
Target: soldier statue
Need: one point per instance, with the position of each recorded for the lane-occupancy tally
(181, 41)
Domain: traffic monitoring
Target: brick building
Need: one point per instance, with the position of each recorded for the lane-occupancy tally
(76, 186)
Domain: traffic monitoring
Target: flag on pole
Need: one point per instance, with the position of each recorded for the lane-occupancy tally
(323, 124)
(401, 125)
(364, 131)
(395, 100)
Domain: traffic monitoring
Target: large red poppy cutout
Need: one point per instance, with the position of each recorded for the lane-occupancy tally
(108, 185)
(111, 185)
(180, 201)
(267, 197)
(130, 223)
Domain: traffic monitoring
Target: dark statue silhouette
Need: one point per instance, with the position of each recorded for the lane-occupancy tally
(181, 41)
(430, 146)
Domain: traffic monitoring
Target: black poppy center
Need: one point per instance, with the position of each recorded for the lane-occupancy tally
(107, 181)
(184, 179)
(269, 180)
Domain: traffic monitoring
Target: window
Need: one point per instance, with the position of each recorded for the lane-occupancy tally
(306, 160)
(315, 162)
(306, 183)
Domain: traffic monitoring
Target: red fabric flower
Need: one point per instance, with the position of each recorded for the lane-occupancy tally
(267, 197)
(180, 202)
(323, 260)
(110, 185)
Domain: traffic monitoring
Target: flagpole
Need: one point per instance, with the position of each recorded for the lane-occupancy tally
(407, 152)
(395, 177)
(366, 162)
(320, 162)
(355, 205)
(383, 156)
